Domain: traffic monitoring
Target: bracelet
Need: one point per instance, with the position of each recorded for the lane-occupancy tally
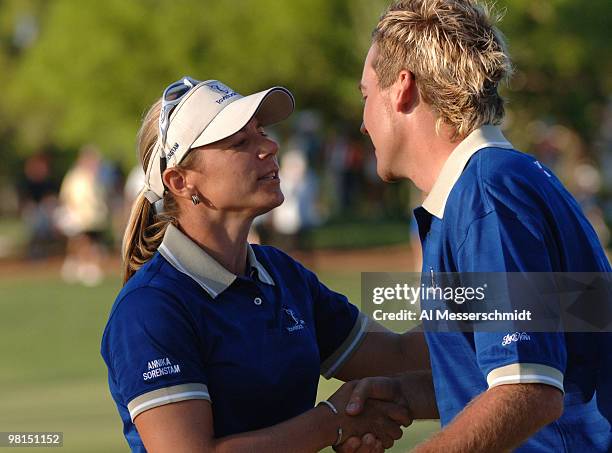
(335, 411)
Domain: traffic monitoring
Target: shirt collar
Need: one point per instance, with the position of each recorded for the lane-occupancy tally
(187, 257)
(483, 137)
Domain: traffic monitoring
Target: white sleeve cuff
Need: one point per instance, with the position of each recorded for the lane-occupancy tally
(526, 373)
(350, 344)
(167, 395)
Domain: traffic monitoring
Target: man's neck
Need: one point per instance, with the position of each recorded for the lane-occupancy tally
(431, 150)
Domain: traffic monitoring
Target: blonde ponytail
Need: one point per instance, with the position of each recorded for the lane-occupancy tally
(143, 234)
(146, 228)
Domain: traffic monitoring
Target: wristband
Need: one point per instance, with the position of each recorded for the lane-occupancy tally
(335, 411)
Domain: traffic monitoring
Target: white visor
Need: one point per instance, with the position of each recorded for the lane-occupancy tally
(210, 112)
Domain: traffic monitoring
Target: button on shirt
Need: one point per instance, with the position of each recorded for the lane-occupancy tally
(494, 209)
(183, 327)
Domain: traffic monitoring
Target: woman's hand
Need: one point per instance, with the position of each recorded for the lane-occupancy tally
(382, 420)
(366, 444)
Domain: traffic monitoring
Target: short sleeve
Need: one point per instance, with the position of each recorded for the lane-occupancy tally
(509, 244)
(152, 351)
(521, 357)
(340, 326)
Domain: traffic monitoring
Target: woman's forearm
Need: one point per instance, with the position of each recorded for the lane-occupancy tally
(310, 432)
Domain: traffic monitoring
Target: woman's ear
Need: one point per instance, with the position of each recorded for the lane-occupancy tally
(175, 180)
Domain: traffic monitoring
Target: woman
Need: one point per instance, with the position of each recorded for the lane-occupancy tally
(214, 344)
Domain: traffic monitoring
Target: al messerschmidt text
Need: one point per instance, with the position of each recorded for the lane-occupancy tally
(449, 315)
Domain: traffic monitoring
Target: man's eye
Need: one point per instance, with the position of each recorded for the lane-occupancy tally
(241, 143)
(262, 133)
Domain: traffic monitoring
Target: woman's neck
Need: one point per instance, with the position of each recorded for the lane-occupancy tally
(224, 239)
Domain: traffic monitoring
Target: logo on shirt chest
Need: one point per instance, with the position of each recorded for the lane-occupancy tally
(292, 320)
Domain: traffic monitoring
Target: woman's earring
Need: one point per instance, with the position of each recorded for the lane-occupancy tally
(195, 199)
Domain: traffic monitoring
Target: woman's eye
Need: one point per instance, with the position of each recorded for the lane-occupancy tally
(263, 133)
(241, 143)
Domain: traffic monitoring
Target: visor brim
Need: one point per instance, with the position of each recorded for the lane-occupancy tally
(269, 107)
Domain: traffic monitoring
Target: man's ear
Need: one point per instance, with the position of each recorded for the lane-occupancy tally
(175, 180)
(403, 92)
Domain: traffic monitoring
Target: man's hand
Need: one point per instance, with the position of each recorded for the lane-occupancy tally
(413, 391)
(383, 419)
(377, 388)
(371, 392)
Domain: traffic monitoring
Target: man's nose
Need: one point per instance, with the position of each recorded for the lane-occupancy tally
(363, 129)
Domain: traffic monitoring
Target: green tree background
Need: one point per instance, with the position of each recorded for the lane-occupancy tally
(84, 71)
(95, 66)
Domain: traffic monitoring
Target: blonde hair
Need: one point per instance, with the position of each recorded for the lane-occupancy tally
(145, 229)
(458, 58)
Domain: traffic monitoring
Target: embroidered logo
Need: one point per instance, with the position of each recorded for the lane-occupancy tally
(298, 324)
(516, 336)
(160, 367)
(226, 91)
(217, 86)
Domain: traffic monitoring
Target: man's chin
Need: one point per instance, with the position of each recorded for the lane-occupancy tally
(388, 176)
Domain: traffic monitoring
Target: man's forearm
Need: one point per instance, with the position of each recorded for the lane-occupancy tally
(498, 420)
(385, 353)
(414, 347)
(418, 394)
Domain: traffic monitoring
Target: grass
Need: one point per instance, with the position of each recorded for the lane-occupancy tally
(13, 236)
(51, 373)
(359, 234)
(353, 234)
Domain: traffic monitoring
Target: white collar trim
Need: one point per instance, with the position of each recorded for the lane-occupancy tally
(187, 257)
(483, 137)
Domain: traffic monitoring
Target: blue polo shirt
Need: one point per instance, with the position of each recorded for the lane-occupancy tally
(183, 327)
(495, 209)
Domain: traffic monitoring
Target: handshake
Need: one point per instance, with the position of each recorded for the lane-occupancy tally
(371, 412)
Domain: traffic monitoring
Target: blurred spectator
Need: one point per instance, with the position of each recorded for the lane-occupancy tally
(82, 217)
(133, 185)
(307, 137)
(298, 213)
(346, 157)
(352, 176)
(112, 181)
(134, 182)
(604, 147)
(336, 151)
(587, 187)
(39, 201)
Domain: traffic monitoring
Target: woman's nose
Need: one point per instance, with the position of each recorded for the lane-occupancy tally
(267, 147)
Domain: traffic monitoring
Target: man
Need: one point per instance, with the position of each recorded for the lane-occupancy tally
(431, 109)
